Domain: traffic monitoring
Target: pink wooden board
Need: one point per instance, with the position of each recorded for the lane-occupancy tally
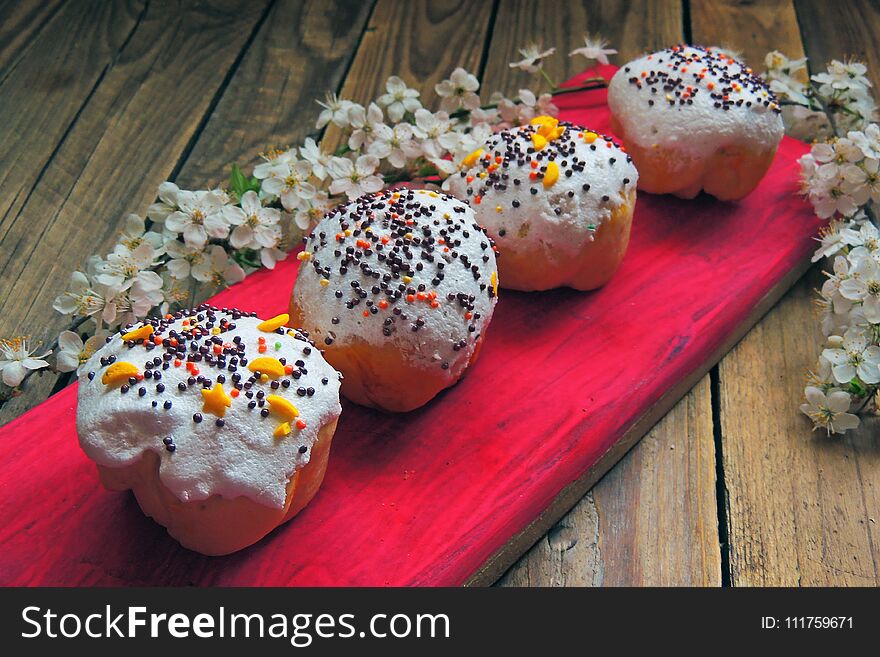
(426, 498)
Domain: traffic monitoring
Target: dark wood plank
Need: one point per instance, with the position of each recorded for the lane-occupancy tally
(752, 29)
(125, 140)
(42, 96)
(841, 30)
(420, 41)
(631, 27)
(301, 52)
(801, 508)
(23, 20)
(606, 539)
(650, 521)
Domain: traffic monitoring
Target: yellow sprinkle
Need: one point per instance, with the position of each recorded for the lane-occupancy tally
(264, 377)
(493, 280)
(215, 330)
(267, 365)
(498, 208)
(408, 236)
(471, 159)
(282, 407)
(276, 322)
(304, 255)
(215, 400)
(539, 141)
(347, 232)
(483, 174)
(446, 215)
(545, 122)
(432, 194)
(282, 430)
(119, 372)
(141, 333)
(407, 279)
(669, 97)
(552, 175)
(590, 137)
(324, 282)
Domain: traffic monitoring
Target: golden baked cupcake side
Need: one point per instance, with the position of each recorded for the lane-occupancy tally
(219, 422)
(558, 199)
(695, 119)
(398, 289)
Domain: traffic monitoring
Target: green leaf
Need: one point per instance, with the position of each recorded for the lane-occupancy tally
(238, 182)
(254, 185)
(856, 387)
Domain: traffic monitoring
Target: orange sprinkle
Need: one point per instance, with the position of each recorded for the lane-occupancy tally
(288, 369)
(498, 159)
(262, 349)
(534, 164)
(470, 179)
(366, 313)
(410, 298)
(435, 304)
(383, 304)
(194, 371)
(432, 295)
(533, 175)
(261, 340)
(477, 199)
(301, 424)
(233, 392)
(177, 362)
(468, 315)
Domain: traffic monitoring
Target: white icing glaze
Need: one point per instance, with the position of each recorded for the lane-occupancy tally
(435, 241)
(594, 177)
(240, 458)
(647, 97)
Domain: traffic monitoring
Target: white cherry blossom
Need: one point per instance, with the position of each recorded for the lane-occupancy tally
(17, 358)
(594, 48)
(199, 216)
(532, 58)
(356, 178)
(855, 357)
(399, 100)
(458, 91)
(255, 226)
(829, 411)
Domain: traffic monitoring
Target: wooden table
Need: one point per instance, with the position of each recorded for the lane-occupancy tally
(102, 101)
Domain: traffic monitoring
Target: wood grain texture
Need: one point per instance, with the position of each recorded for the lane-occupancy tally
(631, 27)
(841, 30)
(124, 141)
(749, 28)
(428, 497)
(43, 94)
(625, 547)
(420, 41)
(801, 508)
(23, 20)
(651, 521)
(301, 52)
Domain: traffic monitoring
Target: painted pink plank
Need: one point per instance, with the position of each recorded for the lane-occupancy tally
(426, 498)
